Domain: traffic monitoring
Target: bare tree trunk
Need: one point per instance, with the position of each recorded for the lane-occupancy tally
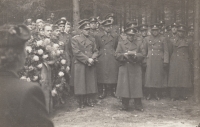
(95, 8)
(76, 13)
(196, 52)
(139, 2)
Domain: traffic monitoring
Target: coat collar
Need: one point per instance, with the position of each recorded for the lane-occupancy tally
(153, 39)
(85, 40)
(130, 45)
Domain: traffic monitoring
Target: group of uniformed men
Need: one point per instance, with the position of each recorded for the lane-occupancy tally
(101, 60)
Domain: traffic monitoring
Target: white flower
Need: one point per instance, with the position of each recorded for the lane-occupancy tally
(39, 65)
(45, 56)
(53, 53)
(28, 79)
(28, 49)
(48, 48)
(46, 42)
(61, 43)
(39, 43)
(61, 51)
(61, 74)
(54, 93)
(63, 61)
(58, 52)
(35, 58)
(58, 85)
(35, 78)
(55, 46)
(23, 78)
(30, 68)
(40, 51)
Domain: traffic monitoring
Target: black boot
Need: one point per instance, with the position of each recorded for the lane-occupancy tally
(88, 101)
(80, 101)
(138, 104)
(149, 93)
(157, 95)
(104, 93)
(149, 97)
(113, 91)
(125, 104)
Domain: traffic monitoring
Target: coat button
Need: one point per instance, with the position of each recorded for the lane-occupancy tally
(152, 49)
(152, 54)
(128, 62)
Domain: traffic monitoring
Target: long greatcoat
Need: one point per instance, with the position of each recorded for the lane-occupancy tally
(107, 66)
(156, 52)
(180, 65)
(129, 83)
(83, 48)
(22, 104)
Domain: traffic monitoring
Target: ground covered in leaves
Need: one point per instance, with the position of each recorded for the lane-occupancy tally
(106, 113)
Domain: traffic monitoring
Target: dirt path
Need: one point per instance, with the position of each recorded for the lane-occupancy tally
(106, 113)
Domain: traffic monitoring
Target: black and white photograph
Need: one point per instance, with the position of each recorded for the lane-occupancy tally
(99, 63)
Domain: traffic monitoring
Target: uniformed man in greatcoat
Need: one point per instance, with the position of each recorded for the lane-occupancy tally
(85, 54)
(157, 59)
(130, 55)
(180, 65)
(107, 67)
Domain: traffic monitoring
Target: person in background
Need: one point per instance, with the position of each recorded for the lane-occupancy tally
(85, 54)
(22, 103)
(52, 18)
(130, 56)
(93, 27)
(157, 59)
(143, 29)
(180, 65)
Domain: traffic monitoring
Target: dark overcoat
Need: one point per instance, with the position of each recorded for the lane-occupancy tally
(129, 83)
(22, 104)
(107, 66)
(180, 63)
(83, 48)
(156, 51)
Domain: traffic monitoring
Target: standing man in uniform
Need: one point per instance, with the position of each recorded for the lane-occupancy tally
(85, 54)
(129, 53)
(180, 65)
(107, 67)
(157, 58)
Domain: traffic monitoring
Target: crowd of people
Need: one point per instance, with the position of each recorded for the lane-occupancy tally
(99, 58)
